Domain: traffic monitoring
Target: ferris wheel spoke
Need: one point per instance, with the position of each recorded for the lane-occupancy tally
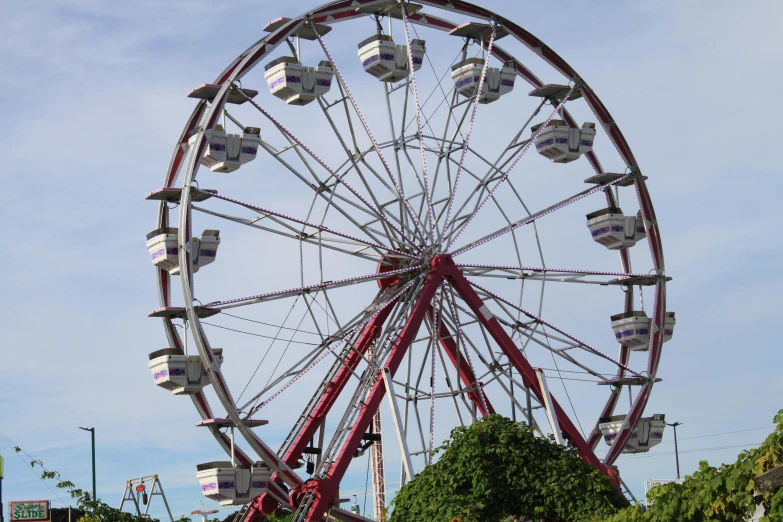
(298, 237)
(530, 334)
(556, 275)
(321, 187)
(349, 96)
(467, 372)
(495, 170)
(522, 153)
(533, 217)
(336, 378)
(339, 339)
(352, 157)
(404, 203)
(471, 124)
(271, 214)
(427, 189)
(382, 215)
(580, 344)
(282, 294)
(493, 366)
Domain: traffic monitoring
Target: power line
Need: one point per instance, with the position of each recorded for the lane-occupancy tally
(705, 436)
(724, 433)
(269, 324)
(259, 335)
(696, 450)
(14, 447)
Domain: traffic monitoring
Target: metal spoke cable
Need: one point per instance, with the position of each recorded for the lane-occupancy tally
(352, 157)
(437, 308)
(253, 223)
(510, 169)
(382, 215)
(582, 344)
(482, 80)
(565, 389)
(267, 324)
(532, 218)
(323, 356)
(305, 289)
(455, 317)
(282, 355)
(439, 85)
(427, 190)
(400, 192)
(321, 228)
(267, 350)
(291, 340)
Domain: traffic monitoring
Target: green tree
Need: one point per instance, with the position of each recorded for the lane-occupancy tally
(497, 468)
(725, 493)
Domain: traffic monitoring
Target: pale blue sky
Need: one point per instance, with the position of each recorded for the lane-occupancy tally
(93, 98)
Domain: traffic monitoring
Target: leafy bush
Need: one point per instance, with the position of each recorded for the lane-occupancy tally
(497, 468)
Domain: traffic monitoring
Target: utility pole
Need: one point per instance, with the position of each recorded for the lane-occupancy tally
(92, 435)
(676, 450)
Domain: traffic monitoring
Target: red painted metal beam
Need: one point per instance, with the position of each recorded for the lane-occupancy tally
(370, 333)
(529, 379)
(326, 487)
(264, 503)
(459, 361)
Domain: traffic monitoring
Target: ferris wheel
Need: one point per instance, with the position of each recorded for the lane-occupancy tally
(393, 227)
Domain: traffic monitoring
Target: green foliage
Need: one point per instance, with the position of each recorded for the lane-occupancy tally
(96, 511)
(498, 468)
(720, 494)
(282, 518)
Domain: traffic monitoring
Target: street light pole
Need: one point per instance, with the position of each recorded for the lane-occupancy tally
(1, 489)
(92, 436)
(676, 450)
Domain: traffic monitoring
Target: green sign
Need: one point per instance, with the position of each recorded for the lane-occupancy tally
(1, 466)
(29, 510)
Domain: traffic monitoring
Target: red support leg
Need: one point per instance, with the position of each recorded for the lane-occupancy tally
(466, 374)
(264, 503)
(326, 488)
(529, 379)
(370, 333)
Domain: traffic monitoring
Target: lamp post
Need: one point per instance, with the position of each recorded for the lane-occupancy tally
(1, 489)
(676, 451)
(92, 436)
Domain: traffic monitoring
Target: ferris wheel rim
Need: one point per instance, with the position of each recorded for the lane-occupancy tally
(242, 65)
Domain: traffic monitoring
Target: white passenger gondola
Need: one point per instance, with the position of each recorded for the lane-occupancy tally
(387, 61)
(180, 373)
(467, 76)
(561, 143)
(648, 432)
(163, 249)
(290, 81)
(227, 152)
(232, 486)
(609, 227)
(632, 329)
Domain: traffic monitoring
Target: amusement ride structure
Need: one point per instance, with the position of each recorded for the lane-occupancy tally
(389, 215)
